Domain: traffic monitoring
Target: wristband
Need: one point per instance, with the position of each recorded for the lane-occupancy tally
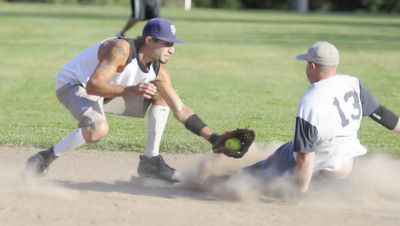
(385, 117)
(213, 138)
(194, 124)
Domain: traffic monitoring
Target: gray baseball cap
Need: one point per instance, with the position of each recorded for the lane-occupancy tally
(321, 53)
(162, 29)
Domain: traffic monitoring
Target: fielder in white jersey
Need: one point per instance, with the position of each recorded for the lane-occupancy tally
(129, 69)
(325, 142)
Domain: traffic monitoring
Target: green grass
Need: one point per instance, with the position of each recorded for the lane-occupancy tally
(235, 69)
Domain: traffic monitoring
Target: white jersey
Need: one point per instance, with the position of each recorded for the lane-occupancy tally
(81, 68)
(328, 120)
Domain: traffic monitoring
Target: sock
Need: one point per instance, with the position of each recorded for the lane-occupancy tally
(70, 142)
(157, 119)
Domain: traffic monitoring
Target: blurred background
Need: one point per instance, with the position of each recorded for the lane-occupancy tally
(388, 6)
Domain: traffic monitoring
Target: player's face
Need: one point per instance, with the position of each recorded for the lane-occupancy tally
(163, 50)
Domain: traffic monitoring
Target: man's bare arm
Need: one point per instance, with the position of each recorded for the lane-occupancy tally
(180, 110)
(113, 55)
(305, 165)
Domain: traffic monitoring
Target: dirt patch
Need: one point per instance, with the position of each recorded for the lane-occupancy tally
(102, 188)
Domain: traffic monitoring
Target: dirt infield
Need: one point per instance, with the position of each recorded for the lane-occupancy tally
(102, 188)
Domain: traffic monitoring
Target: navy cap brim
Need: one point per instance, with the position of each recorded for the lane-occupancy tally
(175, 40)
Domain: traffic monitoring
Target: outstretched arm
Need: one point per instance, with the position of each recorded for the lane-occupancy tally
(181, 112)
(377, 112)
(386, 118)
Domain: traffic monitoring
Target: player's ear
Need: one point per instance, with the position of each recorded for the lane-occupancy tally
(148, 40)
(313, 65)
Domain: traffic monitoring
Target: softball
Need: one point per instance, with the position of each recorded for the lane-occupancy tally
(233, 144)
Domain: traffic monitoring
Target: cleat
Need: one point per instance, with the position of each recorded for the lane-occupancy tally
(38, 164)
(157, 168)
(119, 35)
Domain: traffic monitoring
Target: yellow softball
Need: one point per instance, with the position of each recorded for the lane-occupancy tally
(233, 144)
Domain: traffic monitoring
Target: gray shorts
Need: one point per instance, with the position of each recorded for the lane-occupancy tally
(87, 109)
(144, 9)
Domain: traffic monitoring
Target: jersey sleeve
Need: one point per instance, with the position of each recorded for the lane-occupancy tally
(368, 102)
(305, 136)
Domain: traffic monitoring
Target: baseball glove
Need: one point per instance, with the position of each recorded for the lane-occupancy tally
(245, 136)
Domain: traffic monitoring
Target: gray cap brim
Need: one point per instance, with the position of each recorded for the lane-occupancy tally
(302, 57)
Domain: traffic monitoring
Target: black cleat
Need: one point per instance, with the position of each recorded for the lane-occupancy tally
(38, 164)
(157, 168)
(119, 35)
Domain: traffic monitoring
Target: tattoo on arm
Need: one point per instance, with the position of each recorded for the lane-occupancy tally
(113, 51)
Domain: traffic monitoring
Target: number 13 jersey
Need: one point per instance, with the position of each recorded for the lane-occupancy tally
(328, 119)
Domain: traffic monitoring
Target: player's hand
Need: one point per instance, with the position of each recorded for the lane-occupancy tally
(144, 89)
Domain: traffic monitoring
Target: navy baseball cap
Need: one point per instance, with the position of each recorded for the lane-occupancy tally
(162, 29)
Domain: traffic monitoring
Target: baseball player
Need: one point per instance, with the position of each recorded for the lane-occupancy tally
(325, 143)
(141, 10)
(134, 72)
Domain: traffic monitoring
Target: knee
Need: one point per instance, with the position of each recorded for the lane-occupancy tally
(100, 130)
(158, 100)
(96, 131)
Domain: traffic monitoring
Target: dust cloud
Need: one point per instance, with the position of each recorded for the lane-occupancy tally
(375, 181)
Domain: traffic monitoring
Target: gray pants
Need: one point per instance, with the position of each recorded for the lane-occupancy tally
(87, 109)
(282, 162)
